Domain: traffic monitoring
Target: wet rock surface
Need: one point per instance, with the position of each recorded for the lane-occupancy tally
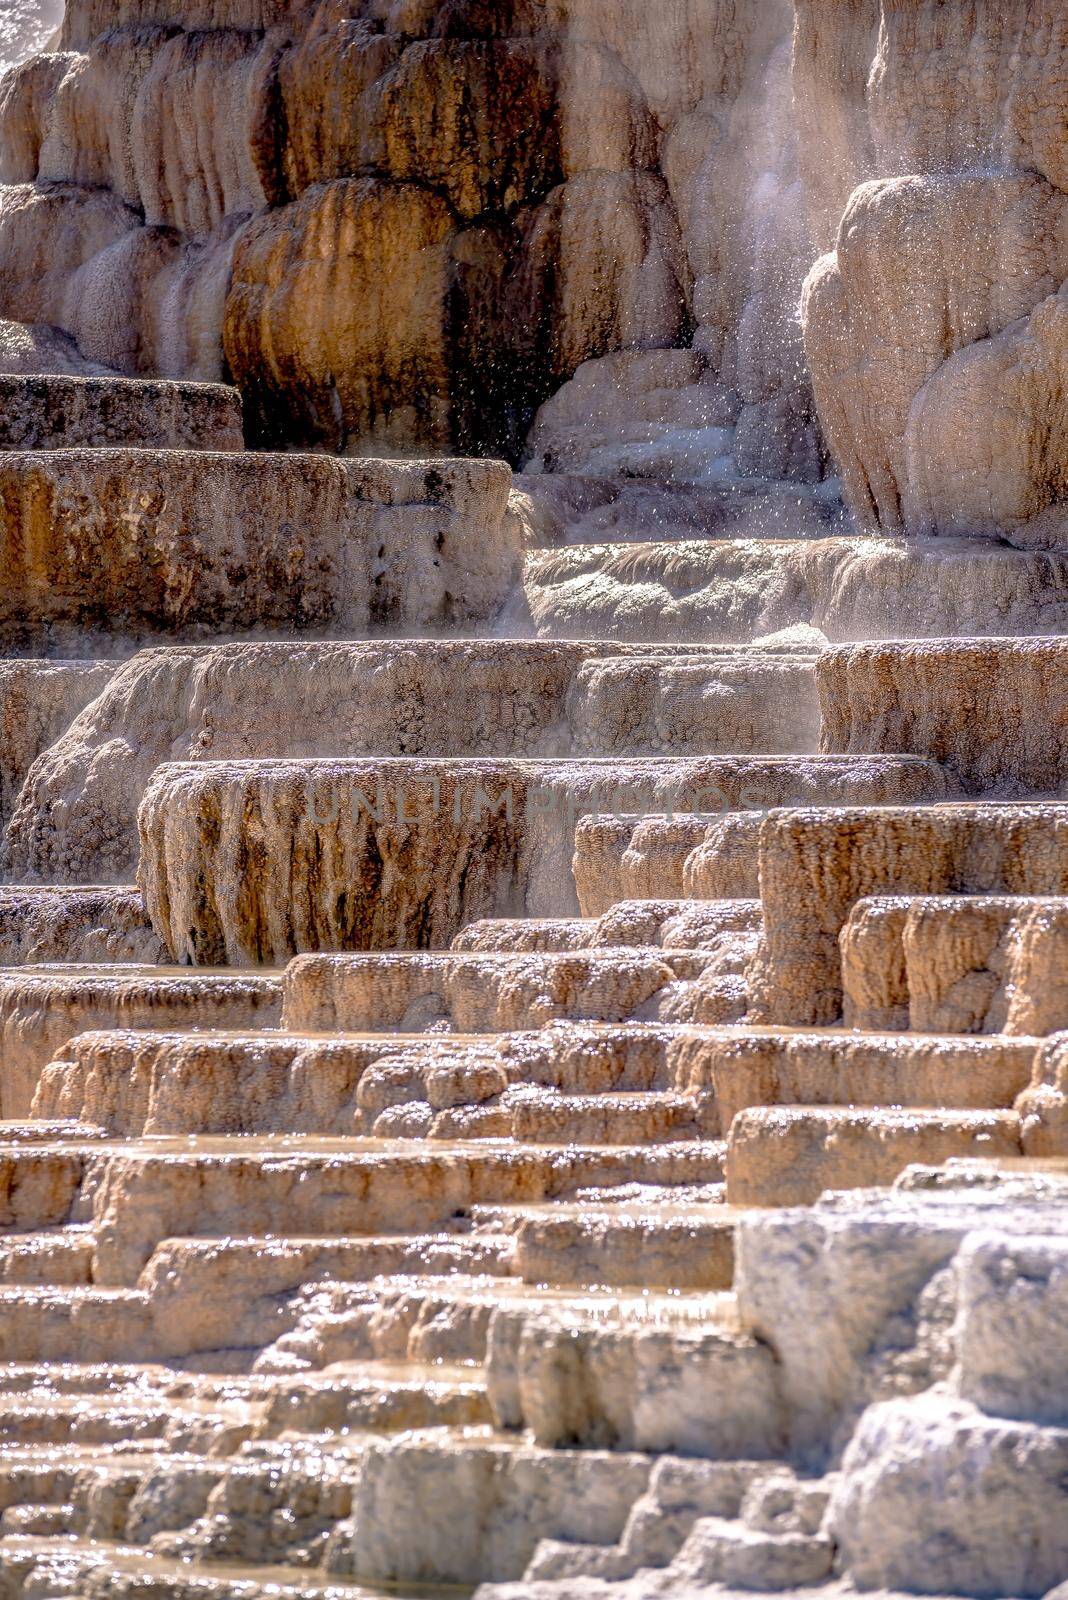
(528, 190)
(607, 1133)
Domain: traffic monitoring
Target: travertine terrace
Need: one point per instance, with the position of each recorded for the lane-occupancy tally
(533, 799)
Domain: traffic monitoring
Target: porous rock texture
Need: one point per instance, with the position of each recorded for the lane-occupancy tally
(525, 186)
(815, 866)
(43, 351)
(42, 1007)
(108, 545)
(46, 925)
(711, 591)
(935, 325)
(253, 861)
(970, 963)
(989, 709)
(53, 410)
(233, 702)
(608, 1133)
(38, 702)
(129, 542)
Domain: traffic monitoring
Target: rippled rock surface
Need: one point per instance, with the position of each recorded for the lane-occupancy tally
(532, 1018)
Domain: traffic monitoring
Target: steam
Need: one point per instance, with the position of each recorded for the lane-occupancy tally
(716, 437)
(26, 26)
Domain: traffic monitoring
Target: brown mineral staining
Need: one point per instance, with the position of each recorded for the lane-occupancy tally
(292, 272)
(608, 1129)
(349, 205)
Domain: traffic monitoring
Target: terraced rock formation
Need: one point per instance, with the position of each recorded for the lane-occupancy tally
(527, 186)
(532, 1019)
(604, 1131)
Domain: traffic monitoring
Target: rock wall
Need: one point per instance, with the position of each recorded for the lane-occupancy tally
(100, 547)
(937, 326)
(403, 225)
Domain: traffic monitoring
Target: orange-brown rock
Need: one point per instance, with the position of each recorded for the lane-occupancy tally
(526, 187)
(335, 320)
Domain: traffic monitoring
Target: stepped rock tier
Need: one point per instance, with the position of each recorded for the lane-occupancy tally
(533, 799)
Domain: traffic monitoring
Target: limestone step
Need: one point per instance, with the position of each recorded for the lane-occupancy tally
(652, 1242)
(81, 1419)
(238, 1292)
(484, 1522)
(673, 1496)
(99, 1379)
(36, 1475)
(470, 1320)
(123, 1571)
(272, 700)
(380, 1396)
(698, 857)
(789, 1156)
(679, 1492)
(712, 1379)
(217, 1421)
(585, 1058)
(48, 924)
(42, 1007)
(276, 1263)
(992, 709)
(692, 856)
(540, 1116)
(974, 964)
(1043, 1105)
(746, 1067)
(126, 1082)
(602, 839)
(143, 1192)
(634, 707)
(235, 1293)
(62, 1256)
(618, 1202)
(670, 924)
(816, 864)
(509, 1085)
(39, 700)
(133, 1081)
(86, 1324)
(728, 855)
(280, 1505)
(874, 984)
(44, 1133)
(39, 1182)
(850, 587)
(484, 994)
(722, 1552)
(43, 1520)
(232, 567)
(137, 1419)
(569, 1493)
(781, 1503)
(61, 413)
(505, 826)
